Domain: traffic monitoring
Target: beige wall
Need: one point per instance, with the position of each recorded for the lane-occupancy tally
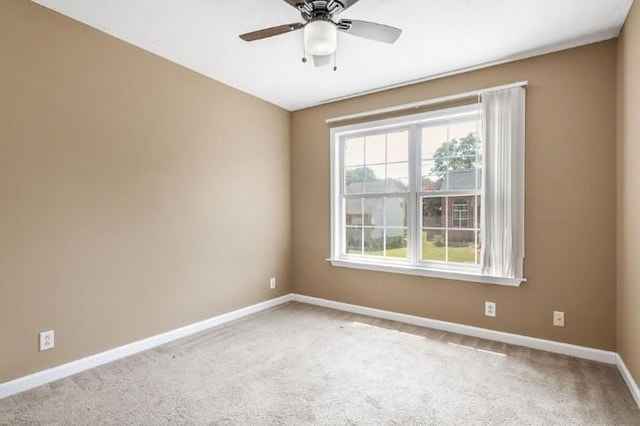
(570, 205)
(134, 196)
(629, 192)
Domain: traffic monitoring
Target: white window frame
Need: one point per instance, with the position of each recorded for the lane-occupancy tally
(413, 265)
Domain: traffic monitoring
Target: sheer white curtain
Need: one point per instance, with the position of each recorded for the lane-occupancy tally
(502, 219)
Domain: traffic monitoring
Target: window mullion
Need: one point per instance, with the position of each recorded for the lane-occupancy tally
(413, 220)
(384, 198)
(362, 226)
(384, 226)
(479, 184)
(446, 226)
(338, 200)
(475, 228)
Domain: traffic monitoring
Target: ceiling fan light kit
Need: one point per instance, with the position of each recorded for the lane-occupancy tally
(320, 38)
(321, 30)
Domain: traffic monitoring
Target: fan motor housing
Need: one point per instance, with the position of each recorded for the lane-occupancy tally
(315, 10)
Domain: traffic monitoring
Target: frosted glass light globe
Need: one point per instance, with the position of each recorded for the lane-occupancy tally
(320, 38)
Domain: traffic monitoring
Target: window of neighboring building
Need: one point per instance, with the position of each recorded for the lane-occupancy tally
(460, 212)
(408, 195)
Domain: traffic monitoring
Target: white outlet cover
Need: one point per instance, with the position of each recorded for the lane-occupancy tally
(558, 318)
(47, 340)
(272, 283)
(490, 309)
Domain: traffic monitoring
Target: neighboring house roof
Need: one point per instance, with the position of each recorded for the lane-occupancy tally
(454, 180)
(462, 179)
(431, 186)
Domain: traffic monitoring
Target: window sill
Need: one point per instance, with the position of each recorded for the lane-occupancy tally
(423, 272)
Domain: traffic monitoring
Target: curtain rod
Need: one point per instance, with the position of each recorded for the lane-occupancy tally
(419, 104)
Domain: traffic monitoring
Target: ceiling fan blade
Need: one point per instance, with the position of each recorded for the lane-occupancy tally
(370, 30)
(295, 3)
(320, 61)
(347, 3)
(270, 32)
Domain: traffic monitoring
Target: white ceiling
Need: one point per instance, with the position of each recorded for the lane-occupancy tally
(439, 36)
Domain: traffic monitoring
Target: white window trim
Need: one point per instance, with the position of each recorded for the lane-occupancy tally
(468, 273)
(425, 272)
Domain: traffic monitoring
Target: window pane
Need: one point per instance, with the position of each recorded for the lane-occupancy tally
(354, 151)
(460, 212)
(461, 174)
(375, 179)
(396, 242)
(462, 246)
(434, 245)
(433, 214)
(374, 241)
(464, 146)
(395, 211)
(398, 147)
(468, 163)
(398, 177)
(354, 178)
(373, 211)
(353, 212)
(354, 240)
(462, 129)
(451, 158)
(433, 139)
(432, 176)
(374, 150)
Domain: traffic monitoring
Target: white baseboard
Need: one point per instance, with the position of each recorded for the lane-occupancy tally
(628, 378)
(599, 355)
(40, 378)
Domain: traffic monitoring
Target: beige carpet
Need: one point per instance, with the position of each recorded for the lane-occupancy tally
(300, 364)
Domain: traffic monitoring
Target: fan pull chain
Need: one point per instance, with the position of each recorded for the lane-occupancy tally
(304, 53)
(335, 66)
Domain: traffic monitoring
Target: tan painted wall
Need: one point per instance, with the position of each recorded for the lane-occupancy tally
(570, 205)
(629, 192)
(134, 197)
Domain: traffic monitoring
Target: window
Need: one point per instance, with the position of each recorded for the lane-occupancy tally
(407, 196)
(460, 212)
(376, 185)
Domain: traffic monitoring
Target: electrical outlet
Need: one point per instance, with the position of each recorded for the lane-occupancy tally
(558, 319)
(46, 340)
(272, 283)
(490, 309)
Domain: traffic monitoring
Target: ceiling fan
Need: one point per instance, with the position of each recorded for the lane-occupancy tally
(321, 30)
